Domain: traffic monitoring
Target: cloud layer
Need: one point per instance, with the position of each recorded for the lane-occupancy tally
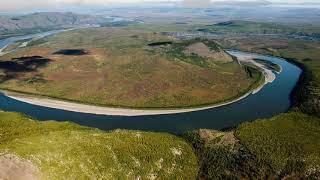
(17, 5)
(11, 5)
(196, 3)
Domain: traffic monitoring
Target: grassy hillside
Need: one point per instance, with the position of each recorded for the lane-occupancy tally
(290, 143)
(250, 27)
(56, 150)
(283, 146)
(120, 68)
(222, 156)
(306, 55)
(201, 52)
(69, 151)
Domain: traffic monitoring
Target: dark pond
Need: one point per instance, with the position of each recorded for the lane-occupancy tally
(72, 52)
(155, 44)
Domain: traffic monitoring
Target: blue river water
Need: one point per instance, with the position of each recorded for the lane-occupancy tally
(272, 99)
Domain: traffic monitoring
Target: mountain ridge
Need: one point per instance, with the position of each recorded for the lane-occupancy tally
(45, 20)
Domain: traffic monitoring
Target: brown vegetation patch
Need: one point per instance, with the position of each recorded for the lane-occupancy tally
(218, 138)
(204, 51)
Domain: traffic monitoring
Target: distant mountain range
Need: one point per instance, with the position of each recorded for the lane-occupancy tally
(45, 20)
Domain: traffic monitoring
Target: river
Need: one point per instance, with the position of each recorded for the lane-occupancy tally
(272, 99)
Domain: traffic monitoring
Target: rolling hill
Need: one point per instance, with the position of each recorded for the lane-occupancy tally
(44, 21)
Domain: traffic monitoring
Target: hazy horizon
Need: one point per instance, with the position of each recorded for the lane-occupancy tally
(22, 5)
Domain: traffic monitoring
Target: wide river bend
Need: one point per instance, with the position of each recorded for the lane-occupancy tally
(272, 99)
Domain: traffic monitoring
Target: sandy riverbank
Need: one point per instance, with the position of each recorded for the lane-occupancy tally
(269, 75)
(91, 109)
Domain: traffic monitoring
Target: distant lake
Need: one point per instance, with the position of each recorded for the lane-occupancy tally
(272, 99)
